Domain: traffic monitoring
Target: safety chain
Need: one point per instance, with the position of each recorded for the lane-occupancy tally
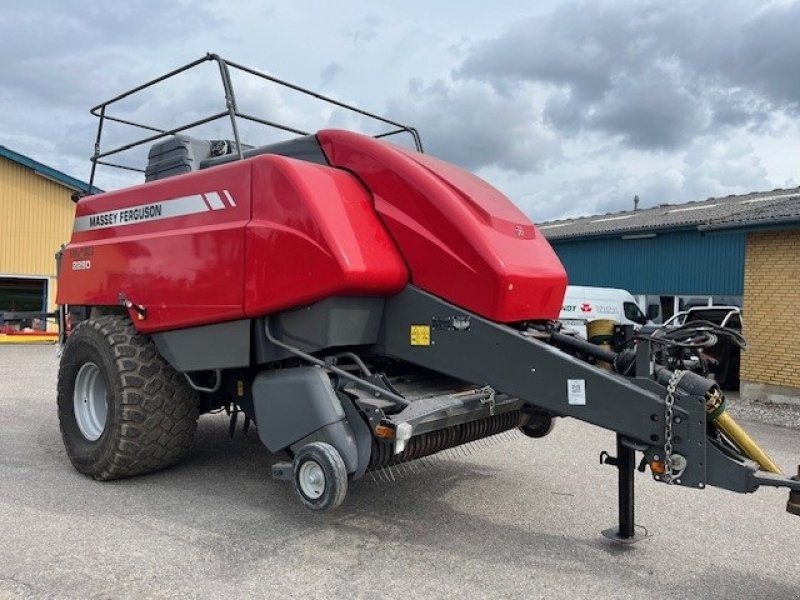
(669, 403)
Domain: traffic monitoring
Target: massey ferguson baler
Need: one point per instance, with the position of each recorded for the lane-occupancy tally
(361, 303)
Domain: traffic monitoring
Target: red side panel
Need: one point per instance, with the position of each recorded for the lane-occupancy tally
(314, 234)
(243, 239)
(461, 238)
(174, 246)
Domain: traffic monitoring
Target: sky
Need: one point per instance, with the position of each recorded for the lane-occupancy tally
(570, 108)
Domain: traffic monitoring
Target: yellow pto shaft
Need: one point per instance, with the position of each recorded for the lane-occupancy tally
(715, 405)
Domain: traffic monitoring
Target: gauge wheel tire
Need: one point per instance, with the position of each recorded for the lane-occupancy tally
(538, 426)
(122, 409)
(319, 476)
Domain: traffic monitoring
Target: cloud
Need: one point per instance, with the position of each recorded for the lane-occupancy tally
(718, 167)
(329, 73)
(475, 126)
(598, 191)
(651, 111)
(576, 186)
(570, 108)
(81, 54)
(365, 30)
(62, 59)
(656, 74)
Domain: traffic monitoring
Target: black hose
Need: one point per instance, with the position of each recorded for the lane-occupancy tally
(691, 383)
(576, 344)
(696, 334)
(364, 384)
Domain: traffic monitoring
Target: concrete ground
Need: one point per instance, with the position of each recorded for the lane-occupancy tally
(520, 519)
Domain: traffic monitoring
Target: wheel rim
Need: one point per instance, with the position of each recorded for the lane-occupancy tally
(311, 479)
(90, 401)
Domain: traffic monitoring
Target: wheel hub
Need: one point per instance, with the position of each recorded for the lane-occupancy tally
(312, 480)
(90, 400)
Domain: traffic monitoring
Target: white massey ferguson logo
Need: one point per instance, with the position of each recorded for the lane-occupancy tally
(155, 211)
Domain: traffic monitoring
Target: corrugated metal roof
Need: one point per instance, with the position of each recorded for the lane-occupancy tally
(45, 171)
(713, 213)
(771, 213)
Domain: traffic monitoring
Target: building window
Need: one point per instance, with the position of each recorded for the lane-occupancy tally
(23, 303)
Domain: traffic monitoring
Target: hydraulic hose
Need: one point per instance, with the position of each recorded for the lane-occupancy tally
(576, 344)
(364, 384)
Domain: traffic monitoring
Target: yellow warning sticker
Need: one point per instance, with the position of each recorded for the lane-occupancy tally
(420, 335)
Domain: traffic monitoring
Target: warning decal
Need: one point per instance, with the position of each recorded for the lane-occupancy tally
(420, 335)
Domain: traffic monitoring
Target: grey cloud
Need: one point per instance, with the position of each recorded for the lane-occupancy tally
(712, 166)
(657, 74)
(598, 191)
(329, 73)
(760, 51)
(717, 167)
(474, 126)
(547, 110)
(81, 56)
(61, 59)
(366, 30)
(654, 188)
(737, 107)
(652, 111)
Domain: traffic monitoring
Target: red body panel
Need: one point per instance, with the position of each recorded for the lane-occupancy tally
(243, 239)
(461, 238)
(270, 233)
(314, 234)
(185, 270)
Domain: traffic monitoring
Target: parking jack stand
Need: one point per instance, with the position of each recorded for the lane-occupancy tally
(626, 532)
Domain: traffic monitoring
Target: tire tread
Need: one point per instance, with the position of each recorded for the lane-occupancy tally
(331, 462)
(157, 410)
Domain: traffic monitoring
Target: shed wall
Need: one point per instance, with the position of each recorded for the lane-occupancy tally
(36, 216)
(671, 263)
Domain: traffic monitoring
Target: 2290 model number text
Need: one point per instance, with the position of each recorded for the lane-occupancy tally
(81, 265)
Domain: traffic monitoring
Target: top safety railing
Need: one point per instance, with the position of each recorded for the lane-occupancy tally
(232, 112)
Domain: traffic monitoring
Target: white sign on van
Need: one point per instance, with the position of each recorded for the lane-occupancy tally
(576, 391)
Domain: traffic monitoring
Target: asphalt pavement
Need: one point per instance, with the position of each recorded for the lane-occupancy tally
(519, 519)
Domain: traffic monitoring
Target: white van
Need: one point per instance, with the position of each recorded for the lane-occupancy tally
(583, 304)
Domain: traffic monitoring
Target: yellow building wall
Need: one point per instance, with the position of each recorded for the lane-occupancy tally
(771, 282)
(36, 217)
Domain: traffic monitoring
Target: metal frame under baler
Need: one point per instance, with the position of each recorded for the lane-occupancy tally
(331, 372)
(501, 377)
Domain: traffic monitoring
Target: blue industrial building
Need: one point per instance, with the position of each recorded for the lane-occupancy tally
(667, 256)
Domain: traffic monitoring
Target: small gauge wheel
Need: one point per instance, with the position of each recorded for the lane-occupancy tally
(319, 476)
(538, 426)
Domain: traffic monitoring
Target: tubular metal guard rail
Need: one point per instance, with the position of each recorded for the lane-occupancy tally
(232, 112)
